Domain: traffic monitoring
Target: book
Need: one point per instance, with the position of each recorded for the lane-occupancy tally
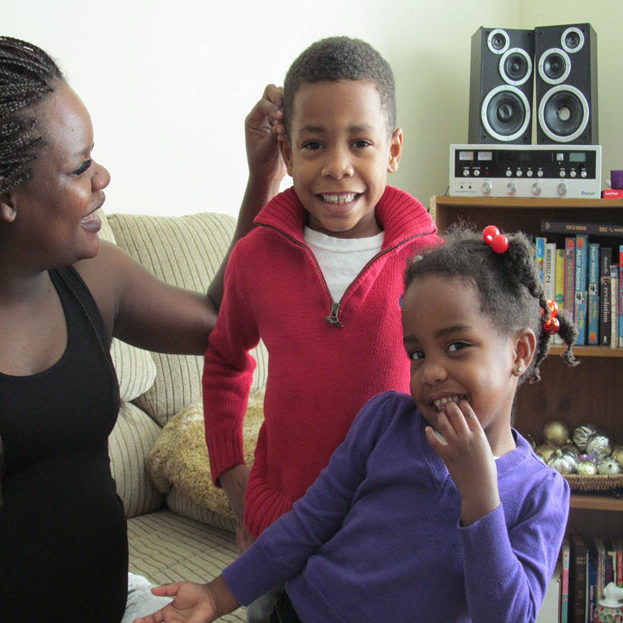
(614, 305)
(549, 270)
(588, 229)
(612, 193)
(569, 281)
(605, 257)
(580, 298)
(565, 554)
(600, 562)
(592, 321)
(618, 548)
(559, 285)
(539, 243)
(591, 582)
(620, 298)
(577, 580)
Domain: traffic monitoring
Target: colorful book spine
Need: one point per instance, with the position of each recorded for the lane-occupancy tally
(560, 285)
(581, 280)
(614, 305)
(569, 282)
(539, 243)
(569, 228)
(601, 566)
(618, 548)
(605, 258)
(577, 580)
(620, 298)
(592, 323)
(549, 270)
(564, 597)
(591, 584)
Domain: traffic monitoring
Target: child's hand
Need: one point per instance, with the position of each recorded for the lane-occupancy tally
(468, 457)
(262, 127)
(193, 603)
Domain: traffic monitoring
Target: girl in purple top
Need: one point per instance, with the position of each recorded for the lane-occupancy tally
(434, 508)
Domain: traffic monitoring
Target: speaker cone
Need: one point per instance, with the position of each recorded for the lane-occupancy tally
(505, 113)
(515, 66)
(498, 41)
(563, 113)
(572, 39)
(554, 66)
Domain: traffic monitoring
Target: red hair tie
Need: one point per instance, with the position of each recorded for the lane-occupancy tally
(552, 324)
(497, 241)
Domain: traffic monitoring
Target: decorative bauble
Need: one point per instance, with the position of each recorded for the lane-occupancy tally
(599, 446)
(609, 466)
(581, 434)
(545, 451)
(571, 449)
(617, 453)
(562, 461)
(586, 468)
(556, 433)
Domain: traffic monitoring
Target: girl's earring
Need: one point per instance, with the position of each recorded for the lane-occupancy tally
(520, 369)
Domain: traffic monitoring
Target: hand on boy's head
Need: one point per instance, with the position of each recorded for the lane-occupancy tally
(263, 126)
(467, 454)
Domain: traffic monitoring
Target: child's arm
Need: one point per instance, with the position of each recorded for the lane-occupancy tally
(193, 603)
(507, 562)
(468, 457)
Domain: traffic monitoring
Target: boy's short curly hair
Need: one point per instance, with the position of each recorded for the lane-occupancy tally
(341, 58)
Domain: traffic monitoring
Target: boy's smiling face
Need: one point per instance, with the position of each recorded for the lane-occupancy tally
(339, 153)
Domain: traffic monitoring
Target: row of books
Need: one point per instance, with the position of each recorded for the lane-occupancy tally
(587, 566)
(585, 277)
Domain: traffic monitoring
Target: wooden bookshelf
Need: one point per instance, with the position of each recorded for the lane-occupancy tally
(591, 392)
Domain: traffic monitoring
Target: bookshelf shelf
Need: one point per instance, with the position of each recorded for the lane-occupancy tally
(591, 392)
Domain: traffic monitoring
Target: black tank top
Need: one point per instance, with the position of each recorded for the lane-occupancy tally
(63, 540)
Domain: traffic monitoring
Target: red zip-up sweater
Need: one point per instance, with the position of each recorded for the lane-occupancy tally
(326, 359)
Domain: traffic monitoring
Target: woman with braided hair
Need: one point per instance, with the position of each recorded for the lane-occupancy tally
(63, 295)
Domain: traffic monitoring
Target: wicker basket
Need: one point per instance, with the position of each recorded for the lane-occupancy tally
(578, 482)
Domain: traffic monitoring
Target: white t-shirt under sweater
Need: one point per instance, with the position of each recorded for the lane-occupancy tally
(341, 259)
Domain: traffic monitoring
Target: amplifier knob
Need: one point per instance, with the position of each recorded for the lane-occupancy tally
(572, 173)
(509, 173)
(536, 188)
(539, 173)
(529, 173)
(511, 188)
(487, 187)
(561, 189)
(583, 173)
(465, 172)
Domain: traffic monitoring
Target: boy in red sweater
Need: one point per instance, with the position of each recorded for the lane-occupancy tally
(319, 281)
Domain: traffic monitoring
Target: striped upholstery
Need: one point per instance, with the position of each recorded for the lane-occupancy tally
(165, 547)
(129, 446)
(185, 251)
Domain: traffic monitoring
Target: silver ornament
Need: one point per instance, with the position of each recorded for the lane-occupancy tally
(586, 468)
(581, 434)
(609, 466)
(599, 446)
(563, 462)
(617, 453)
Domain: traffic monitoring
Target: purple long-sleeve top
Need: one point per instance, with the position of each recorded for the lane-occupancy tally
(378, 536)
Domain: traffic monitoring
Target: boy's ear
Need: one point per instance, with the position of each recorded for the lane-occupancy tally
(7, 211)
(395, 150)
(525, 347)
(285, 146)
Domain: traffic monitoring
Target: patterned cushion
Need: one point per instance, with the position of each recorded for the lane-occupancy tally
(129, 445)
(185, 251)
(135, 367)
(179, 464)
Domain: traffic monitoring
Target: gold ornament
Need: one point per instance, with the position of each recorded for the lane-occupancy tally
(556, 433)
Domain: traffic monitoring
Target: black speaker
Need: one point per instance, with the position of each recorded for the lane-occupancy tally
(501, 79)
(566, 84)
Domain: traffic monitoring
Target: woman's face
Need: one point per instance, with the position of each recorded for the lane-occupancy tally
(55, 208)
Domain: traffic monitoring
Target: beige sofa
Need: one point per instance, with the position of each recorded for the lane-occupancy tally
(175, 531)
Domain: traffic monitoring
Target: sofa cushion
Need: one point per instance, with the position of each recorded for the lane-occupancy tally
(135, 367)
(185, 251)
(165, 547)
(129, 445)
(179, 464)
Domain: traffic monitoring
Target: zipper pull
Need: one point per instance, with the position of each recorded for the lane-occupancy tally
(333, 317)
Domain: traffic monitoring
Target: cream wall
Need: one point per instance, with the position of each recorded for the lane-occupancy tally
(168, 83)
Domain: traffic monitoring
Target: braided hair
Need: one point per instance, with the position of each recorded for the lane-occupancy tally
(509, 287)
(27, 76)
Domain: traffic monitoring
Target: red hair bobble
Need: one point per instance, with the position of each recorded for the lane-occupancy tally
(552, 324)
(497, 241)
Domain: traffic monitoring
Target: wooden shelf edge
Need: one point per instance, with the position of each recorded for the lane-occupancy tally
(596, 502)
(588, 351)
(520, 202)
